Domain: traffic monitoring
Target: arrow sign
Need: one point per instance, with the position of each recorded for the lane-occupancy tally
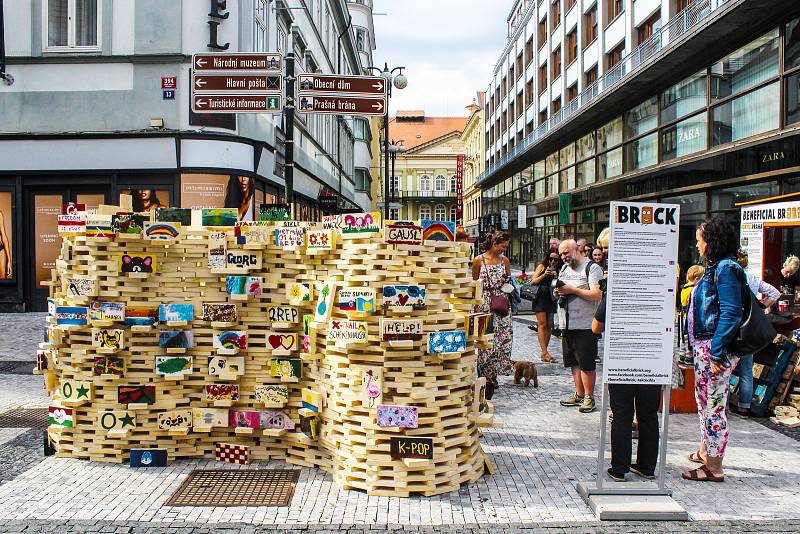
(227, 103)
(345, 85)
(236, 82)
(237, 62)
(341, 105)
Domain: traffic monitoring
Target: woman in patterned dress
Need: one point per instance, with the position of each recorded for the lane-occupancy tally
(493, 269)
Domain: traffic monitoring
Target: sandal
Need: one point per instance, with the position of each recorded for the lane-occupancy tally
(547, 358)
(696, 458)
(708, 475)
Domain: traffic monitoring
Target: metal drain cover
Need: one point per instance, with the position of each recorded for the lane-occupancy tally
(236, 487)
(16, 367)
(24, 418)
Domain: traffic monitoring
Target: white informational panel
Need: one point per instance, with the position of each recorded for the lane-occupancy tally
(640, 305)
(522, 216)
(754, 219)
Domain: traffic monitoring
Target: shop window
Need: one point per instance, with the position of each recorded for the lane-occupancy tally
(566, 180)
(552, 163)
(609, 135)
(748, 66)
(684, 97)
(793, 99)
(724, 199)
(609, 164)
(439, 213)
(590, 26)
(567, 155)
(552, 185)
(584, 173)
(425, 212)
(791, 50)
(539, 190)
(642, 153)
(585, 146)
(684, 138)
(641, 119)
(146, 199)
(747, 115)
(218, 191)
(72, 25)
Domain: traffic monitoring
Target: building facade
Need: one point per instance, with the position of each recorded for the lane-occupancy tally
(423, 184)
(473, 138)
(101, 106)
(639, 100)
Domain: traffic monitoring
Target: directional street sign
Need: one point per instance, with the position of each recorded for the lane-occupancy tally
(341, 105)
(347, 85)
(237, 62)
(237, 82)
(228, 103)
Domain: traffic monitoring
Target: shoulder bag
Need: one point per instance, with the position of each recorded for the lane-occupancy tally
(498, 304)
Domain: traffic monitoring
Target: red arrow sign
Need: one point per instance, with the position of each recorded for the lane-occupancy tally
(219, 103)
(341, 105)
(237, 62)
(347, 85)
(236, 82)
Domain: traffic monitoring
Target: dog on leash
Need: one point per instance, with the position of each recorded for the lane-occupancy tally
(526, 371)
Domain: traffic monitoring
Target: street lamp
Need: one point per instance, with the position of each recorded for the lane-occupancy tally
(399, 82)
(394, 148)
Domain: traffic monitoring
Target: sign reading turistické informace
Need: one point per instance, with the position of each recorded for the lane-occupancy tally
(640, 303)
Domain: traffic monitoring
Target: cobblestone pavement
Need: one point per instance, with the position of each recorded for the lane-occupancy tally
(540, 454)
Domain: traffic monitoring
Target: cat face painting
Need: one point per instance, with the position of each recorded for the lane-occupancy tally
(136, 264)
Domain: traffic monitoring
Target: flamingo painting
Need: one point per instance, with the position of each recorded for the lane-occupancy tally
(372, 387)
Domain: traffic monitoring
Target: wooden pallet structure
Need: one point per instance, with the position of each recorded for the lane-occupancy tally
(347, 345)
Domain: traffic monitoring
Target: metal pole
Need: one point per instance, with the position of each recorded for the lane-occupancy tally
(391, 183)
(2, 41)
(662, 450)
(386, 162)
(288, 115)
(601, 450)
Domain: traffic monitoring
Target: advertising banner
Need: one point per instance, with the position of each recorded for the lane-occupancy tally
(754, 219)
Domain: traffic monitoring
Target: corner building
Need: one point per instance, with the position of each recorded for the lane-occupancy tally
(689, 102)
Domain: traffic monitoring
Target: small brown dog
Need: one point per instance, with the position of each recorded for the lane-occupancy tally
(526, 370)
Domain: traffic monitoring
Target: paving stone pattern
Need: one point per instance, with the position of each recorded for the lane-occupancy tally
(540, 454)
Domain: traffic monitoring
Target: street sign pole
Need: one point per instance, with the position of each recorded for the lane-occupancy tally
(288, 115)
(386, 162)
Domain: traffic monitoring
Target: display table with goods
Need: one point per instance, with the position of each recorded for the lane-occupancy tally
(348, 346)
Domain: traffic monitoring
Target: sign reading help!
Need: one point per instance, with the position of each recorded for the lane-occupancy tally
(405, 447)
(401, 329)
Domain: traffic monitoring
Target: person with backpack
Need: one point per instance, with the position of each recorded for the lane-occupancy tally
(578, 291)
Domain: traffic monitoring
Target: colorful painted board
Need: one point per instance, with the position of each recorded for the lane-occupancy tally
(72, 315)
(162, 230)
(402, 233)
(214, 392)
(402, 296)
(136, 263)
(219, 216)
(221, 313)
(81, 286)
(479, 324)
(149, 458)
(272, 395)
(99, 226)
(103, 338)
(109, 366)
(274, 212)
(175, 366)
(107, 311)
(308, 425)
(243, 419)
(145, 394)
(141, 315)
(58, 416)
(370, 378)
(407, 447)
(253, 233)
(209, 417)
(401, 329)
(275, 420)
(243, 259)
(286, 368)
(176, 339)
(360, 223)
(299, 293)
(283, 314)
(312, 400)
(182, 216)
(116, 420)
(230, 339)
(357, 299)
(438, 230)
(282, 344)
(226, 367)
(479, 395)
(76, 391)
(217, 249)
(447, 341)
(176, 312)
(243, 285)
(322, 311)
(397, 416)
(72, 224)
(175, 420)
(290, 238)
(232, 453)
(320, 240)
(345, 332)
(128, 223)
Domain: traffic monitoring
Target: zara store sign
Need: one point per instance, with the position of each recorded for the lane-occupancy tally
(218, 13)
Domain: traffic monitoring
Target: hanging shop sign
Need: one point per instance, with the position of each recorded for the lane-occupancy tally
(459, 188)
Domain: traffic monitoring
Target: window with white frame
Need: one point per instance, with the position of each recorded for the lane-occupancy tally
(394, 183)
(452, 213)
(361, 39)
(439, 212)
(440, 182)
(259, 25)
(425, 212)
(425, 183)
(453, 184)
(281, 40)
(72, 25)
(394, 214)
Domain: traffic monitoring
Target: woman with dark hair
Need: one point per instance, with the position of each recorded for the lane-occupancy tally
(240, 196)
(715, 314)
(144, 200)
(545, 305)
(598, 257)
(493, 269)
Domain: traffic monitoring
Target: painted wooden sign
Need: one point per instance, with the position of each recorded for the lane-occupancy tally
(243, 259)
(174, 366)
(447, 341)
(371, 384)
(232, 453)
(253, 233)
(209, 417)
(226, 367)
(182, 216)
(360, 223)
(99, 226)
(356, 299)
(76, 391)
(58, 416)
(272, 395)
(274, 212)
(275, 420)
(219, 216)
(438, 230)
(280, 343)
(136, 263)
(283, 314)
(175, 420)
(157, 231)
(408, 447)
(320, 239)
(344, 332)
(72, 224)
(230, 339)
(286, 368)
(290, 238)
(250, 286)
(141, 315)
(81, 286)
(479, 324)
(479, 395)
(176, 312)
(402, 233)
(176, 339)
(299, 293)
(312, 400)
(243, 419)
(309, 425)
(107, 311)
(214, 392)
(103, 338)
(72, 315)
(217, 249)
(397, 416)
(128, 223)
(220, 313)
(108, 366)
(402, 296)
(401, 329)
(116, 420)
(145, 394)
(149, 458)
(322, 311)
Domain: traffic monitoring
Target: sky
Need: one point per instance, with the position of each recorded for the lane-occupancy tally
(449, 48)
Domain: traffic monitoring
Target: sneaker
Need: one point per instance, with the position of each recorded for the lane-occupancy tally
(644, 474)
(616, 477)
(572, 400)
(587, 406)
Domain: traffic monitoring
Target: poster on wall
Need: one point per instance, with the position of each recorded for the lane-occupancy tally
(754, 220)
(46, 209)
(6, 224)
(147, 199)
(219, 191)
(643, 254)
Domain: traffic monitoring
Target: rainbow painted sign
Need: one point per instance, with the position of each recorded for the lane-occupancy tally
(438, 230)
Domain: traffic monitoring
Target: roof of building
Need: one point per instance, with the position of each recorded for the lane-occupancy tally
(415, 129)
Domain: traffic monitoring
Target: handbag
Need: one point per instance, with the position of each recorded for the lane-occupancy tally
(756, 330)
(498, 304)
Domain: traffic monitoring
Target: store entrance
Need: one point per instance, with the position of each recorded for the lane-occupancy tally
(43, 205)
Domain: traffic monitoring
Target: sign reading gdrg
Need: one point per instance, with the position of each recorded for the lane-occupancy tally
(645, 215)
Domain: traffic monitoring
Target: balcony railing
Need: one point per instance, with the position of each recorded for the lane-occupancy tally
(433, 195)
(631, 63)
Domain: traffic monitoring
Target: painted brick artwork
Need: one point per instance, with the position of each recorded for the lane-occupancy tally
(232, 453)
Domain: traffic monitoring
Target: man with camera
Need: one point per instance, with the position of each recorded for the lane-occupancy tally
(578, 291)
